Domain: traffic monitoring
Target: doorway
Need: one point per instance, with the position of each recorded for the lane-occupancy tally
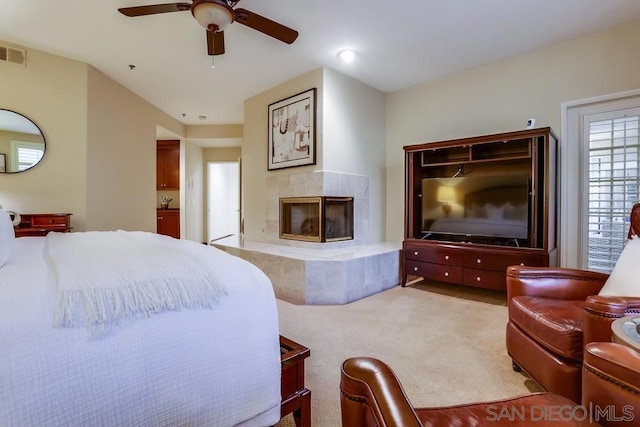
(223, 200)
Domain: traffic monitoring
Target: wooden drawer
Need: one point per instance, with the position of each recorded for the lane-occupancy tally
(42, 223)
(500, 261)
(434, 254)
(49, 221)
(484, 278)
(443, 273)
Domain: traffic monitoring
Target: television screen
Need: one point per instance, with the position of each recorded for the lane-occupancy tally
(494, 206)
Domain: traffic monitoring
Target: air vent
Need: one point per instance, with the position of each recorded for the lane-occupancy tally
(14, 56)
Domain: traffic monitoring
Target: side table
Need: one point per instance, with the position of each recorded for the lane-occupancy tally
(296, 397)
(625, 331)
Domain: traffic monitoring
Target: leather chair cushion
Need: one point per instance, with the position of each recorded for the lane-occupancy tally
(554, 323)
(519, 411)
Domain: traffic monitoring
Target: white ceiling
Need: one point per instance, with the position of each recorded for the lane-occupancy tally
(400, 43)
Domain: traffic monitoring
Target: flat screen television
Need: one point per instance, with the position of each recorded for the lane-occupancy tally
(490, 207)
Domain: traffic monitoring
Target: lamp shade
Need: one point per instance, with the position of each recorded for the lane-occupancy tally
(446, 194)
(212, 15)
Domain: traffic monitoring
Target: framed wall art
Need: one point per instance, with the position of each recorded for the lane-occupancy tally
(292, 131)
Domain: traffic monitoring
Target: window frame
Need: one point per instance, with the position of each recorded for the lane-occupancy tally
(573, 177)
(16, 145)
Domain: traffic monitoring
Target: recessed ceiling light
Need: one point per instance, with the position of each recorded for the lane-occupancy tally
(347, 55)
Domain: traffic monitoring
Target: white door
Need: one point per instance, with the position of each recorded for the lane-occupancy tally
(223, 201)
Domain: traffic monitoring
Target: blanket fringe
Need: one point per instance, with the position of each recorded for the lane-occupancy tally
(104, 308)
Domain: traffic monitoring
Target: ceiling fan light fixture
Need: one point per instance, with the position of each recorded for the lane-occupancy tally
(212, 15)
(347, 55)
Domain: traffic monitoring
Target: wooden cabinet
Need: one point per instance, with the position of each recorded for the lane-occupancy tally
(168, 222)
(475, 265)
(466, 242)
(168, 165)
(42, 223)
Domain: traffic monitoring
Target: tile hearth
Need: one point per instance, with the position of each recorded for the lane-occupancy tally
(321, 276)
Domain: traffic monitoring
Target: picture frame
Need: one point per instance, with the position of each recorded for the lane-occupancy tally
(292, 131)
(3, 162)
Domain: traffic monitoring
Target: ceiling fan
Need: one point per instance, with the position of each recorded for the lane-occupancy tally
(215, 16)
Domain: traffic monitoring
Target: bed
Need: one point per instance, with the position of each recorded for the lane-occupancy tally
(211, 365)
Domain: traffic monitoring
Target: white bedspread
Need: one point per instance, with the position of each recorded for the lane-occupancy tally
(204, 367)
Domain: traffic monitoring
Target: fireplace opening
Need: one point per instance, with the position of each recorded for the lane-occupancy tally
(316, 219)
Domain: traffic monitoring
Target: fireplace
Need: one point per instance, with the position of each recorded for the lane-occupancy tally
(316, 219)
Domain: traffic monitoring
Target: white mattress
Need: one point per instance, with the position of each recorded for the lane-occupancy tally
(209, 367)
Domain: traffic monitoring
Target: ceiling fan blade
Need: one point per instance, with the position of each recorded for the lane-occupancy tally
(215, 42)
(266, 26)
(152, 9)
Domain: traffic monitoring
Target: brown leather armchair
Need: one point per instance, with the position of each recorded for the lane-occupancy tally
(371, 395)
(554, 313)
(611, 384)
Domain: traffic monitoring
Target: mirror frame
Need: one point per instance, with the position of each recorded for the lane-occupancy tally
(44, 142)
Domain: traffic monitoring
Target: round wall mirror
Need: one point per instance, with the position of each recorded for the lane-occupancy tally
(22, 143)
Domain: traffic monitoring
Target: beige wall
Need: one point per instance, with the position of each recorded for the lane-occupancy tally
(502, 96)
(354, 139)
(52, 92)
(100, 158)
(254, 148)
(121, 154)
(191, 218)
(350, 139)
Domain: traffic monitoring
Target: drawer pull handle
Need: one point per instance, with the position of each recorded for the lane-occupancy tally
(478, 279)
(446, 257)
(479, 261)
(415, 268)
(522, 263)
(446, 274)
(415, 252)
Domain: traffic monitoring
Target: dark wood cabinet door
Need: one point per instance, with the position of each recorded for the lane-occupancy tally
(169, 222)
(168, 165)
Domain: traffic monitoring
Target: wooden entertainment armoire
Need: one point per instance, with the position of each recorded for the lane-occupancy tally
(480, 259)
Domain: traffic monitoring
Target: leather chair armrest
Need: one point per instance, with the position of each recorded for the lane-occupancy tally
(371, 395)
(553, 282)
(611, 381)
(601, 310)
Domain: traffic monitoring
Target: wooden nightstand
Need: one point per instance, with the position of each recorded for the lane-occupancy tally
(41, 224)
(296, 397)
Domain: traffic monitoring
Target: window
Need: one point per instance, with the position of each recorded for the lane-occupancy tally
(613, 170)
(599, 168)
(26, 154)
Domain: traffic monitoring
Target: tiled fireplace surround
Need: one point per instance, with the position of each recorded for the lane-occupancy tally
(320, 273)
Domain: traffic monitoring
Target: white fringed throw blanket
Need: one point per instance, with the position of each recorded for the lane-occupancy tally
(104, 278)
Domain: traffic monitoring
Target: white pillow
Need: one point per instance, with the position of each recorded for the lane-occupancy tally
(624, 280)
(7, 237)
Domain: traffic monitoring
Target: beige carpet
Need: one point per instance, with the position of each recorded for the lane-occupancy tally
(445, 343)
